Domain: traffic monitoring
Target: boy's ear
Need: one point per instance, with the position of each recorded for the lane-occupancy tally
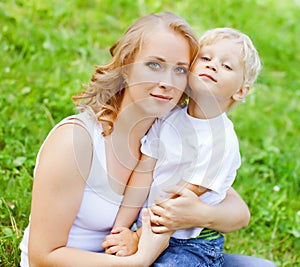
(240, 94)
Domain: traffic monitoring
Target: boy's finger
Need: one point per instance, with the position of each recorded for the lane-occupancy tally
(118, 230)
(110, 241)
(113, 250)
(121, 253)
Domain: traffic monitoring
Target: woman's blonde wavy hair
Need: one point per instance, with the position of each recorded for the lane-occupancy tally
(104, 92)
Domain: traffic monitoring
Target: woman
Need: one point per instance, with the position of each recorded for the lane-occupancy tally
(85, 162)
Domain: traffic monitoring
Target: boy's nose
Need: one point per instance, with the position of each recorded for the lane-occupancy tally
(213, 68)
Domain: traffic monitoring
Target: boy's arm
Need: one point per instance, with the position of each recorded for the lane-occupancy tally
(136, 192)
(122, 241)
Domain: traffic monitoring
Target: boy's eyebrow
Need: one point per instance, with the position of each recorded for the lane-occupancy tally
(163, 60)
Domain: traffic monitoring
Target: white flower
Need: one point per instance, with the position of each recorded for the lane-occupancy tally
(276, 188)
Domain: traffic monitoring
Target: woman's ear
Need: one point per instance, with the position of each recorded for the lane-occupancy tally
(124, 72)
(125, 76)
(240, 94)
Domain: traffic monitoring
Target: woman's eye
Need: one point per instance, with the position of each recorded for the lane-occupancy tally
(153, 65)
(181, 70)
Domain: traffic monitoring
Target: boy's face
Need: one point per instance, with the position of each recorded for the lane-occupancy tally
(219, 70)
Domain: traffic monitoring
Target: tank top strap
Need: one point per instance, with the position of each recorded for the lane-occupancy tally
(83, 119)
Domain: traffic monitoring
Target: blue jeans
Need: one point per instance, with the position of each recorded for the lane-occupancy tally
(196, 252)
(236, 260)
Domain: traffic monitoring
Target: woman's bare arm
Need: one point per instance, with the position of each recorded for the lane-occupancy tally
(186, 211)
(57, 193)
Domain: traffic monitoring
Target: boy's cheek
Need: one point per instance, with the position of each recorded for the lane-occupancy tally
(194, 81)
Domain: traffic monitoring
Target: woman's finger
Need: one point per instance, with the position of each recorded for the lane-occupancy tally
(157, 210)
(174, 190)
(146, 220)
(178, 191)
(160, 229)
(155, 219)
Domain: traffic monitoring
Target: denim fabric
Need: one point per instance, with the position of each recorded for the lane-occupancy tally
(192, 252)
(236, 260)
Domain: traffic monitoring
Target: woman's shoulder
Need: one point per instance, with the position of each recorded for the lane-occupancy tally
(68, 142)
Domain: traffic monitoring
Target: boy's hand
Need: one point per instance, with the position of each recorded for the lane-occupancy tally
(121, 242)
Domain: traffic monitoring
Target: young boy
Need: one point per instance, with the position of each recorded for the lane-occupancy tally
(194, 147)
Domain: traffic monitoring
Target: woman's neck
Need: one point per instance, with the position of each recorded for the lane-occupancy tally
(123, 146)
(132, 120)
(131, 123)
(129, 128)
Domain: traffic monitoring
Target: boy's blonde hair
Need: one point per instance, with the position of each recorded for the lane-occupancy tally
(104, 93)
(252, 63)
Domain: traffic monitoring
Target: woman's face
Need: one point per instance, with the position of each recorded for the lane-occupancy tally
(158, 76)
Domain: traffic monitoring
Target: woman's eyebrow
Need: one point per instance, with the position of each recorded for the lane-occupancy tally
(183, 63)
(164, 60)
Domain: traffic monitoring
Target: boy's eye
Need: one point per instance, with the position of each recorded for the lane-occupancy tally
(153, 65)
(181, 70)
(226, 66)
(204, 58)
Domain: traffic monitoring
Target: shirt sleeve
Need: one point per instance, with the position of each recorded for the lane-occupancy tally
(150, 142)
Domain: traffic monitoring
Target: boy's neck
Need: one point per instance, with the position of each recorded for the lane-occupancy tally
(205, 109)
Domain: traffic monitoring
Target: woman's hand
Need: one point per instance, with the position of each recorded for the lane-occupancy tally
(186, 210)
(179, 211)
(151, 245)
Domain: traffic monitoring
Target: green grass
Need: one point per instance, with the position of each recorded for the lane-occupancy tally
(48, 49)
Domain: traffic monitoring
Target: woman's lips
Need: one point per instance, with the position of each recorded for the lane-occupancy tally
(162, 97)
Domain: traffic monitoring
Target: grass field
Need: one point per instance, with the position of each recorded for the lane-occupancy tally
(48, 48)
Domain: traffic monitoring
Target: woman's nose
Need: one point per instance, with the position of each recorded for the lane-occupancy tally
(166, 81)
(164, 85)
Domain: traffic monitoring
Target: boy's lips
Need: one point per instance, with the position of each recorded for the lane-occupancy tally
(208, 76)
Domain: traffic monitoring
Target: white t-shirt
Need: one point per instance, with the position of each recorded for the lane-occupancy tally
(99, 205)
(201, 152)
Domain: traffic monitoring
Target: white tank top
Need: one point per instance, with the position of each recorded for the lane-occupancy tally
(99, 205)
